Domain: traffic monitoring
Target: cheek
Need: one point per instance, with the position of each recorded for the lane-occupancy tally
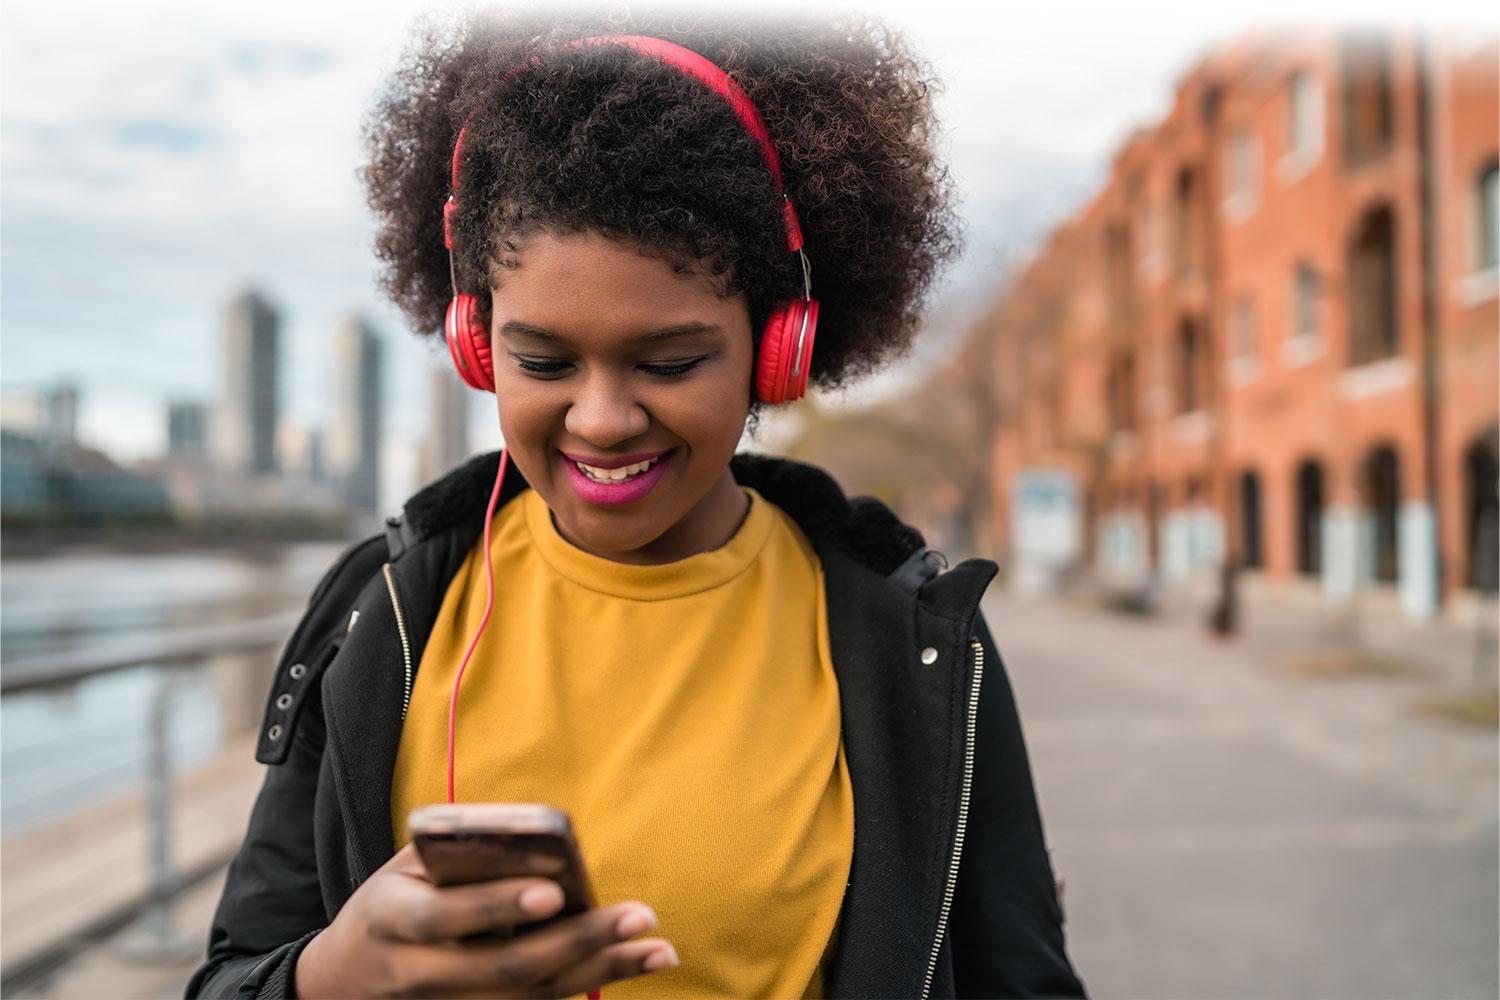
(709, 409)
(528, 416)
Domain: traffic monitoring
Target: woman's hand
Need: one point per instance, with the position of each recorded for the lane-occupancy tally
(401, 936)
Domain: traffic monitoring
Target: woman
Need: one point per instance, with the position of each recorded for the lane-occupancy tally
(785, 740)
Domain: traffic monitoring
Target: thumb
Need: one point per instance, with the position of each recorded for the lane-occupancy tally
(406, 862)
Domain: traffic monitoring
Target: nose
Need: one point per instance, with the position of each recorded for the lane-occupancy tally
(605, 413)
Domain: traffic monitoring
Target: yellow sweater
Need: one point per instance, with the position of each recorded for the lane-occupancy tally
(685, 715)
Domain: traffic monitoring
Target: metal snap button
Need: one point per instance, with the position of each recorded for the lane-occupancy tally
(284, 702)
(929, 656)
(297, 670)
(274, 733)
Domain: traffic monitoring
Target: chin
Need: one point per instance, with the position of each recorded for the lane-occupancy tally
(611, 540)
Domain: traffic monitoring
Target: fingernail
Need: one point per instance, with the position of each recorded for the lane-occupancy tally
(635, 922)
(664, 958)
(541, 900)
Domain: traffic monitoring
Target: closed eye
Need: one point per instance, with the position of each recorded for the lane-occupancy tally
(551, 367)
(539, 366)
(671, 369)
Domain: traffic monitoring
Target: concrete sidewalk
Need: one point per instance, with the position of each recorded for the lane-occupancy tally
(60, 877)
(1459, 646)
(1227, 829)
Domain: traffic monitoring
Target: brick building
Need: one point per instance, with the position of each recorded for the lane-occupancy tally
(1273, 335)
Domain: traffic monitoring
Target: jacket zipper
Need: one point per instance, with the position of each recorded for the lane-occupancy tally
(963, 818)
(390, 585)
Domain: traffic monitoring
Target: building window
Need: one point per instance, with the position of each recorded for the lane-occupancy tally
(1120, 392)
(1304, 341)
(1486, 208)
(1373, 330)
(1242, 170)
(1244, 351)
(1367, 105)
(1305, 292)
(1184, 230)
(1119, 255)
(1146, 226)
(1305, 118)
(1191, 358)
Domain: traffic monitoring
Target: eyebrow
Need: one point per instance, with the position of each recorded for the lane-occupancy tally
(654, 336)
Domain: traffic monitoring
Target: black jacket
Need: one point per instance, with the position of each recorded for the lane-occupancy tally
(950, 889)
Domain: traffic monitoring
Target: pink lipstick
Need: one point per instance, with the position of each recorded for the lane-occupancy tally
(614, 494)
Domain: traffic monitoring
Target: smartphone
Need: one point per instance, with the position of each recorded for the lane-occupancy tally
(479, 841)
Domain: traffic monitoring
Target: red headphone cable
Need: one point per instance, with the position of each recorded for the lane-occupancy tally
(489, 604)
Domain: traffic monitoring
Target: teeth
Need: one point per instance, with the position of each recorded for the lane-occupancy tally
(615, 475)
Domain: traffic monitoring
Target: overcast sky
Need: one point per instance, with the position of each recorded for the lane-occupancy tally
(154, 158)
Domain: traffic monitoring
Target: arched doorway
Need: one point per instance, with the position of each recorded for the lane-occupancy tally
(1382, 489)
(1482, 513)
(1309, 518)
(1251, 552)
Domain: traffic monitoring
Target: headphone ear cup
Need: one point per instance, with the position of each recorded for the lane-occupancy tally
(770, 381)
(469, 342)
(774, 382)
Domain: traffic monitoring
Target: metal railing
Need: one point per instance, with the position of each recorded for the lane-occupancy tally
(59, 672)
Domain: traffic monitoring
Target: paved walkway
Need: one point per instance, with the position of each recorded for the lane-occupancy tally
(61, 876)
(1225, 829)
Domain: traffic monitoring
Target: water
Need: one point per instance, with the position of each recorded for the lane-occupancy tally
(64, 749)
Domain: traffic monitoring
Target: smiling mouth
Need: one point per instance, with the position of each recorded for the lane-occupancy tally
(621, 475)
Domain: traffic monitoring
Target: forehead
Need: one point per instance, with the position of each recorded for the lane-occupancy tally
(584, 284)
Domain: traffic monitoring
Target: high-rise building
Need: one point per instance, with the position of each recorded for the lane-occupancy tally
(187, 429)
(354, 439)
(60, 416)
(245, 432)
(300, 450)
(448, 427)
(48, 416)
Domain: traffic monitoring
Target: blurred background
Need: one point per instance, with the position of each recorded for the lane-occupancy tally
(1217, 383)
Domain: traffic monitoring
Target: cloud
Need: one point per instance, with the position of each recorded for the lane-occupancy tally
(164, 135)
(260, 60)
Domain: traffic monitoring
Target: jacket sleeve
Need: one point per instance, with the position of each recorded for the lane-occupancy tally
(1007, 929)
(273, 901)
(272, 904)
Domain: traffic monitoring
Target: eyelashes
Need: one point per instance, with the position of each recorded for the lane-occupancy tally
(544, 368)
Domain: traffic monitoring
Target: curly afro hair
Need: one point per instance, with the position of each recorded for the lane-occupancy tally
(604, 139)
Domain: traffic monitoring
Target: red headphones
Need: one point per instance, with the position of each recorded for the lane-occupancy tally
(786, 343)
